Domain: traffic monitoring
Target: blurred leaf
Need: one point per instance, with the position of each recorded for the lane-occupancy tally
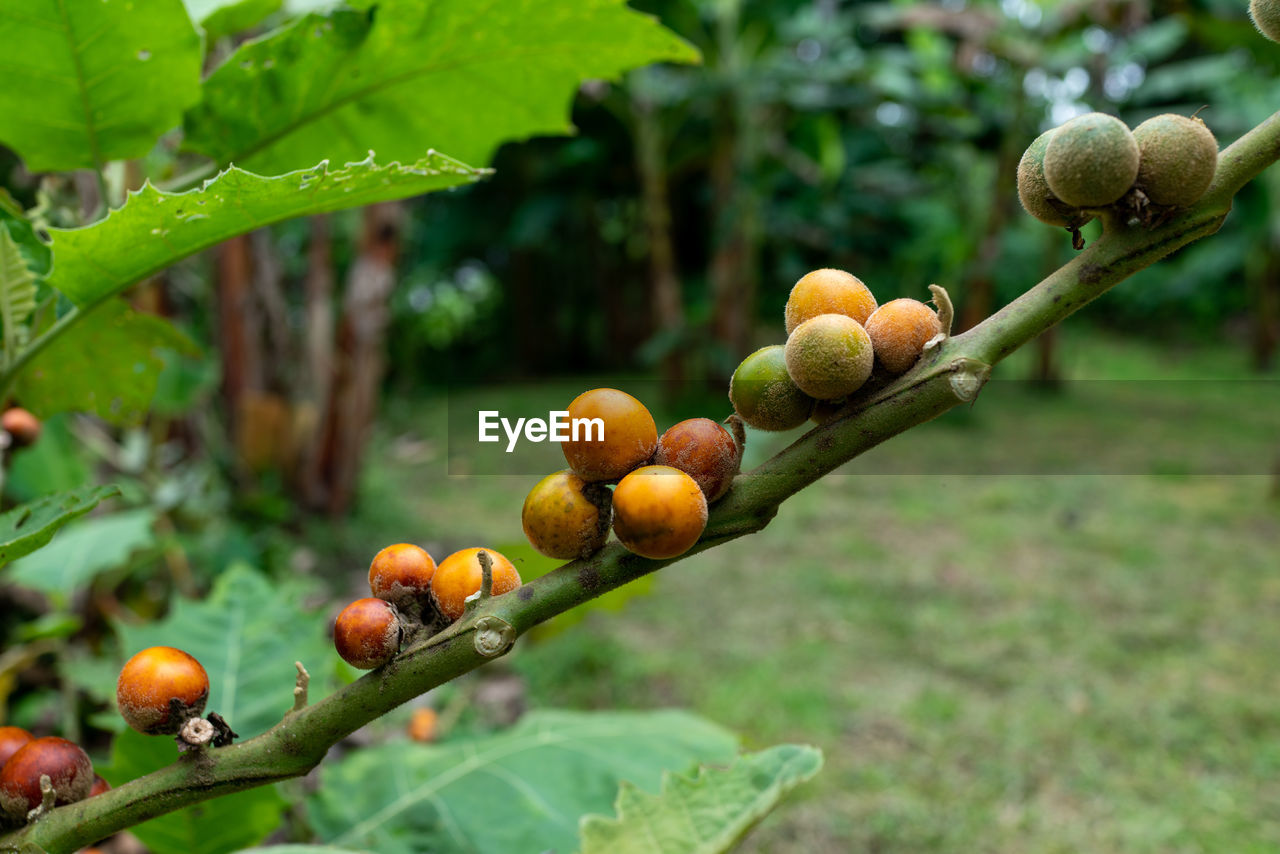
(30, 526)
(17, 294)
(56, 463)
(35, 252)
(78, 554)
(154, 229)
(223, 18)
(546, 771)
(302, 849)
(453, 75)
(86, 83)
(705, 814)
(215, 826)
(106, 364)
(247, 633)
(53, 625)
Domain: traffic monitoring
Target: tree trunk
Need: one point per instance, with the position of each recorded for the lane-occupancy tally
(316, 383)
(360, 351)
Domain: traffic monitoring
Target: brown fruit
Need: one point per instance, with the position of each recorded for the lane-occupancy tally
(629, 435)
(899, 330)
(401, 574)
(828, 291)
(565, 517)
(459, 576)
(160, 689)
(99, 786)
(829, 356)
(22, 427)
(66, 764)
(705, 451)
(12, 738)
(659, 512)
(367, 633)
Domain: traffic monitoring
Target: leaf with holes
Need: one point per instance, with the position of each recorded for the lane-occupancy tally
(17, 294)
(460, 76)
(30, 526)
(545, 772)
(107, 364)
(247, 632)
(705, 814)
(155, 229)
(85, 83)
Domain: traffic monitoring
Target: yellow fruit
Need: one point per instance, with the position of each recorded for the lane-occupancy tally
(828, 291)
(659, 512)
(899, 330)
(829, 356)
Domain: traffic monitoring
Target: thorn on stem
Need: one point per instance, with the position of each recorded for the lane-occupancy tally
(946, 311)
(300, 687)
(486, 574)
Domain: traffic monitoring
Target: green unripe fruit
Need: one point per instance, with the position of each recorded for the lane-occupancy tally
(829, 356)
(1266, 17)
(1091, 161)
(1033, 189)
(1179, 157)
(764, 395)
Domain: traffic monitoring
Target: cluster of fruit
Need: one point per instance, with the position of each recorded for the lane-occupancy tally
(1094, 161)
(25, 759)
(664, 484)
(410, 591)
(836, 335)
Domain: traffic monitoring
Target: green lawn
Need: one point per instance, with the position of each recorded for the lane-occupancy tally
(1024, 661)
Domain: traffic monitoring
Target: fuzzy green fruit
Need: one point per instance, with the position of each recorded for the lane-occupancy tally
(1266, 17)
(1091, 161)
(764, 395)
(829, 356)
(1033, 189)
(1179, 157)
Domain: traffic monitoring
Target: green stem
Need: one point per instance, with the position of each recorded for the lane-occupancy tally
(948, 375)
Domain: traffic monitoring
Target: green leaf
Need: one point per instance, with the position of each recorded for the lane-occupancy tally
(212, 827)
(302, 849)
(545, 772)
(35, 251)
(30, 526)
(17, 294)
(78, 554)
(455, 75)
(222, 18)
(107, 364)
(89, 82)
(154, 229)
(57, 463)
(706, 814)
(247, 633)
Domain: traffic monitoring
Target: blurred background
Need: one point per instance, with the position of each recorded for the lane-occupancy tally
(1072, 651)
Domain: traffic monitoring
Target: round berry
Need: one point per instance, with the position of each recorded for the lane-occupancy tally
(764, 395)
(99, 786)
(401, 574)
(1179, 158)
(828, 291)
(1266, 17)
(899, 329)
(610, 434)
(1091, 161)
(160, 689)
(459, 576)
(565, 517)
(12, 738)
(23, 427)
(829, 356)
(705, 451)
(1034, 192)
(659, 512)
(367, 633)
(68, 767)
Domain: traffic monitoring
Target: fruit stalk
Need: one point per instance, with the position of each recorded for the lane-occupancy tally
(946, 376)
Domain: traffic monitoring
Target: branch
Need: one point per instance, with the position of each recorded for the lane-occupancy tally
(947, 375)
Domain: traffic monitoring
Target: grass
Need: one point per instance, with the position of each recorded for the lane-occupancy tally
(1031, 661)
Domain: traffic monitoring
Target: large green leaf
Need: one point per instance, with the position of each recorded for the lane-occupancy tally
(461, 76)
(79, 553)
(17, 294)
(30, 526)
(519, 790)
(212, 827)
(88, 82)
(107, 364)
(154, 229)
(706, 814)
(247, 632)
